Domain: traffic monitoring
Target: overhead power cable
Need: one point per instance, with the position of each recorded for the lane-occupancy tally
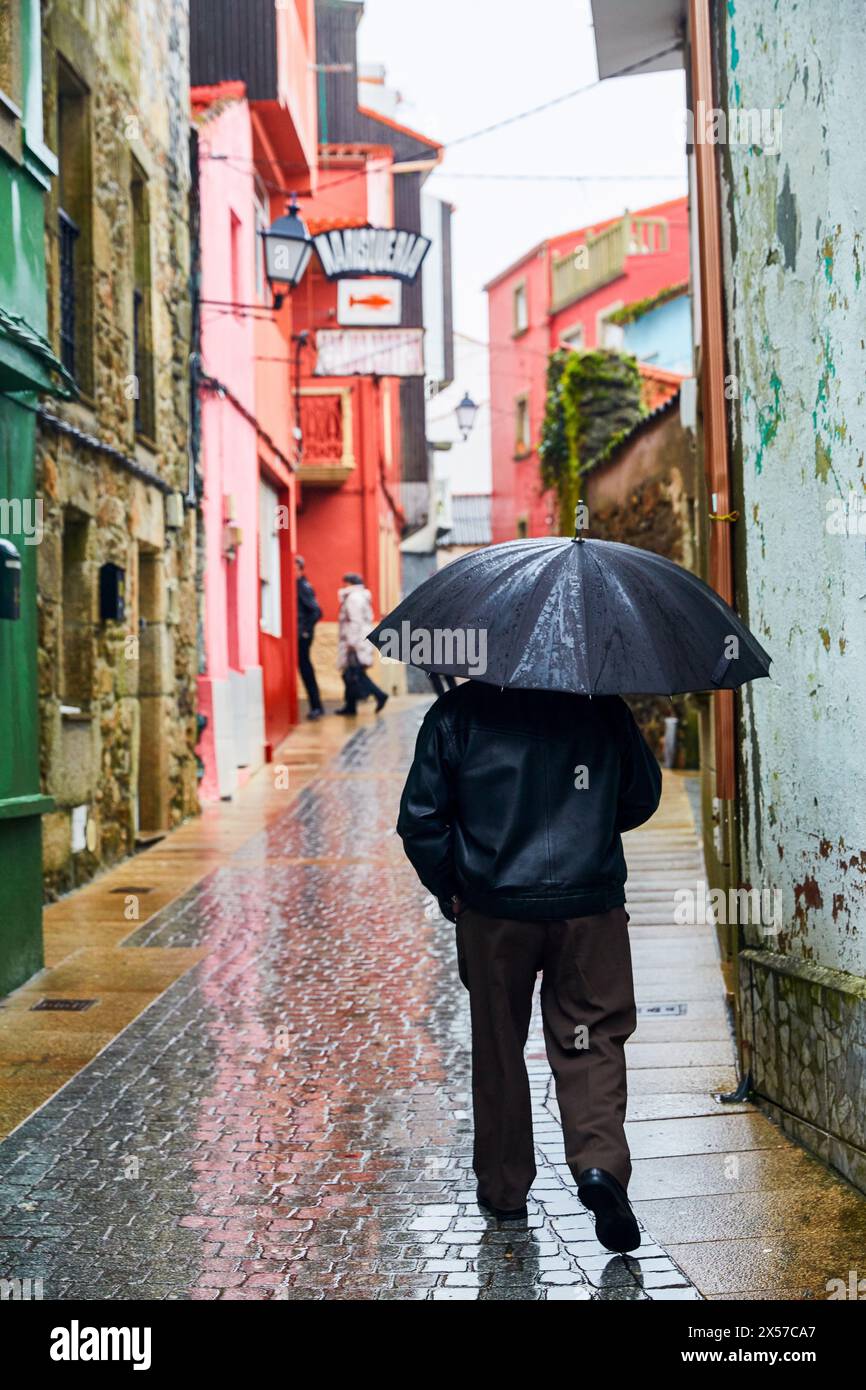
(629, 69)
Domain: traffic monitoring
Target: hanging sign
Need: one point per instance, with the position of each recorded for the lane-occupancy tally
(392, 251)
(370, 352)
(369, 301)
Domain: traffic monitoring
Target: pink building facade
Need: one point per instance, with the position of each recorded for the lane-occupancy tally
(231, 692)
(247, 685)
(560, 294)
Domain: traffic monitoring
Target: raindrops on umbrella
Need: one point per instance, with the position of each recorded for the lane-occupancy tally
(589, 616)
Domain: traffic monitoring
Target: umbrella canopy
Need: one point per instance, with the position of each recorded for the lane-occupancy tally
(592, 617)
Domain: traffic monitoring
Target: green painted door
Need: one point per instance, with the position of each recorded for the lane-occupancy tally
(20, 801)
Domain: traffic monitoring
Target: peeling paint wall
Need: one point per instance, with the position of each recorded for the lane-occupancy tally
(793, 232)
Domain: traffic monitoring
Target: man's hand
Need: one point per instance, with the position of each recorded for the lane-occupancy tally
(450, 907)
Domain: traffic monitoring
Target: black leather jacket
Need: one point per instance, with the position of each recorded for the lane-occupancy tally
(309, 611)
(516, 799)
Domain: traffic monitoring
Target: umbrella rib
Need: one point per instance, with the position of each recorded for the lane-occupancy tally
(551, 574)
(487, 585)
(595, 682)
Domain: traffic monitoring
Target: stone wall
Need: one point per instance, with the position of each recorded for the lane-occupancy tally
(645, 496)
(118, 697)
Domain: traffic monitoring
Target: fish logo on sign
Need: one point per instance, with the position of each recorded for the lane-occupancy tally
(364, 303)
(372, 301)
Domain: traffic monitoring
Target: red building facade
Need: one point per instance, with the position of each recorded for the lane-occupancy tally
(349, 514)
(313, 435)
(363, 473)
(560, 294)
(254, 113)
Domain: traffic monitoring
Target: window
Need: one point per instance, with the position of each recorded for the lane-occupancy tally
(607, 334)
(73, 225)
(522, 444)
(76, 664)
(520, 309)
(260, 203)
(573, 338)
(142, 310)
(269, 560)
(153, 792)
(235, 240)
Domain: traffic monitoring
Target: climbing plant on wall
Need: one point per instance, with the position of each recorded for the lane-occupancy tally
(593, 401)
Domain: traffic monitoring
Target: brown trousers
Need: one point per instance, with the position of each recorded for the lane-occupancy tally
(588, 1010)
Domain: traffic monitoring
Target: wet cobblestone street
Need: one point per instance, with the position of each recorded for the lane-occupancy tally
(291, 1118)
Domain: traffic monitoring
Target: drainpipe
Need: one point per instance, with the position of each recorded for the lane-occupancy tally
(300, 341)
(716, 460)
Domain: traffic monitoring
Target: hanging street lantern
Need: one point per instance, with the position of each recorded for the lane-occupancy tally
(466, 412)
(288, 247)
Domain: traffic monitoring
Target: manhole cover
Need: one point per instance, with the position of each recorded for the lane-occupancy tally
(62, 1006)
(662, 1010)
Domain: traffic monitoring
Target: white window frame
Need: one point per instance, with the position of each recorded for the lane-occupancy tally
(270, 587)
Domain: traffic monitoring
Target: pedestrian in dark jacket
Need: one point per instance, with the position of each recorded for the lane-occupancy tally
(511, 815)
(309, 614)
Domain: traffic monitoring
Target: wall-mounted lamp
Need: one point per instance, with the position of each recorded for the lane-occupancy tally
(466, 411)
(288, 247)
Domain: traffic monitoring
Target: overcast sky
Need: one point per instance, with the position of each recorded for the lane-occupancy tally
(464, 64)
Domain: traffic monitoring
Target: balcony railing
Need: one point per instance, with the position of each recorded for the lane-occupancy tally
(601, 258)
(327, 458)
(648, 236)
(68, 234)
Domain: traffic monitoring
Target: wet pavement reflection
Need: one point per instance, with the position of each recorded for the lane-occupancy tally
(291, 1118)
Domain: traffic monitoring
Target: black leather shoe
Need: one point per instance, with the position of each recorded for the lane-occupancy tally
(344, 710)
(501, 1213)
(606, 1198)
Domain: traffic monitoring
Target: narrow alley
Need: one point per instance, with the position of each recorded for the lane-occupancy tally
(269, 1095)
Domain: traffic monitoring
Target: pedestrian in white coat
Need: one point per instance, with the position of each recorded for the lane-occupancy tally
(354, 653)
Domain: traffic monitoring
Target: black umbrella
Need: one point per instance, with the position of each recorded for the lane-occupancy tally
(593, 617)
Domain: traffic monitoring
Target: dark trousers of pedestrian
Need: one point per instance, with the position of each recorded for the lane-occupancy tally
(588, 1012)
(358, 687)
(308, 675)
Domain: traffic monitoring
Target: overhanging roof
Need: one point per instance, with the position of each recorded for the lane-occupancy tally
(638, 36)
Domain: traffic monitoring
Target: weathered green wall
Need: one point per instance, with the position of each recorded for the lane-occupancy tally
(795, 258)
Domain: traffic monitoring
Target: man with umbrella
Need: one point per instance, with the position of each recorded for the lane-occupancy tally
(522, 783)
(512, 815)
